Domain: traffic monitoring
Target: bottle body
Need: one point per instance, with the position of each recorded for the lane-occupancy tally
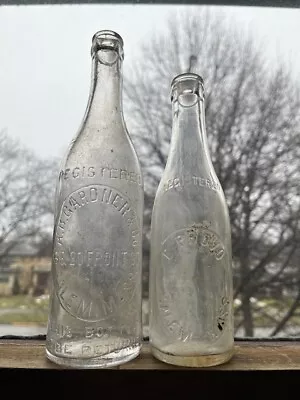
(95, 306)
(191, 313)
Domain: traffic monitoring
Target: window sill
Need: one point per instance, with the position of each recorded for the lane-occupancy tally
(249, 356)
(271, 366)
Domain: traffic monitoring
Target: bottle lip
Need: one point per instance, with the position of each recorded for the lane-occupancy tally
(187, 76)
(187, 83)
(109, 40)
(108, 34)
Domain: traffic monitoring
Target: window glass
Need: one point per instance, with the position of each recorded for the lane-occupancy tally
(250, 60)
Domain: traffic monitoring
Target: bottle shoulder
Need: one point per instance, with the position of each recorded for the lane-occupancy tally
(90, 141)
(98, 148)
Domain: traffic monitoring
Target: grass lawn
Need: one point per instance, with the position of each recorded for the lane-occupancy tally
(24, 309)
(34, 310)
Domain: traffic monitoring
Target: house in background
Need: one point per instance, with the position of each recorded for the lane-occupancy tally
(8, 280)
(24, 271)
(32, 273)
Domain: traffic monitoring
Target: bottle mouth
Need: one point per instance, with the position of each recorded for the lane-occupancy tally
(107, 40)
(187, 85)
(186, 77)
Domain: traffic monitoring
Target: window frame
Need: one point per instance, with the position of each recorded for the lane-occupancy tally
(215, 380)
(248, 3)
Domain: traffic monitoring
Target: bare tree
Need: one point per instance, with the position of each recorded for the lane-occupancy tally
(26, 195)
(253, 124)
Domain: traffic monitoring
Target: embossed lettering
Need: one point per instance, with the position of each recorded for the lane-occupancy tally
(109, 306)
(94, 258)
(67, 348)
(91, 172)
(103, 172)
(96, 268)
(65, 209)
(166, 255)
(106, 196)
(114, 173)
(83, 198)
(172, 183)
(191, 254)
(115, 200)
(73, 202)
(93, 194)
(60, 348)
(86, 349)
(104, 348)
(84, 309)
(98, 332)
(59, 239)
(176, 183)
(61, 224)
(69, 303)
(204, 182)
(124, 174)
(124, 208)
(76, 172)
(197, 235)
(61, 330)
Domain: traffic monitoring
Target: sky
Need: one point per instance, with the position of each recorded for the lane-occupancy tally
(45, 63)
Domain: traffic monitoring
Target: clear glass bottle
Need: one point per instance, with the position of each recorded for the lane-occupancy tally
(96, 306)
(191, 306)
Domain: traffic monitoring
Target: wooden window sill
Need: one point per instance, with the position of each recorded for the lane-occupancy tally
(258, 367)
(249, 356)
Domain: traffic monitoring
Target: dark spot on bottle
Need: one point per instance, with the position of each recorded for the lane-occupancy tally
(111, 150)
(220, 326)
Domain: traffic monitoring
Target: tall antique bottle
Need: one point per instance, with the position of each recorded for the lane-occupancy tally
(191, 307)
(95, 305)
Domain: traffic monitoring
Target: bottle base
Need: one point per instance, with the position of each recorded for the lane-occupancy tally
(193, 360)
(109, 360)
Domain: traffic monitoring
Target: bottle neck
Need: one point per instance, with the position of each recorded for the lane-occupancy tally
(189, 146)
(105, 99)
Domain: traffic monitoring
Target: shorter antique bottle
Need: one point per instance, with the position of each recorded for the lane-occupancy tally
(191, 302)
(95, 317)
